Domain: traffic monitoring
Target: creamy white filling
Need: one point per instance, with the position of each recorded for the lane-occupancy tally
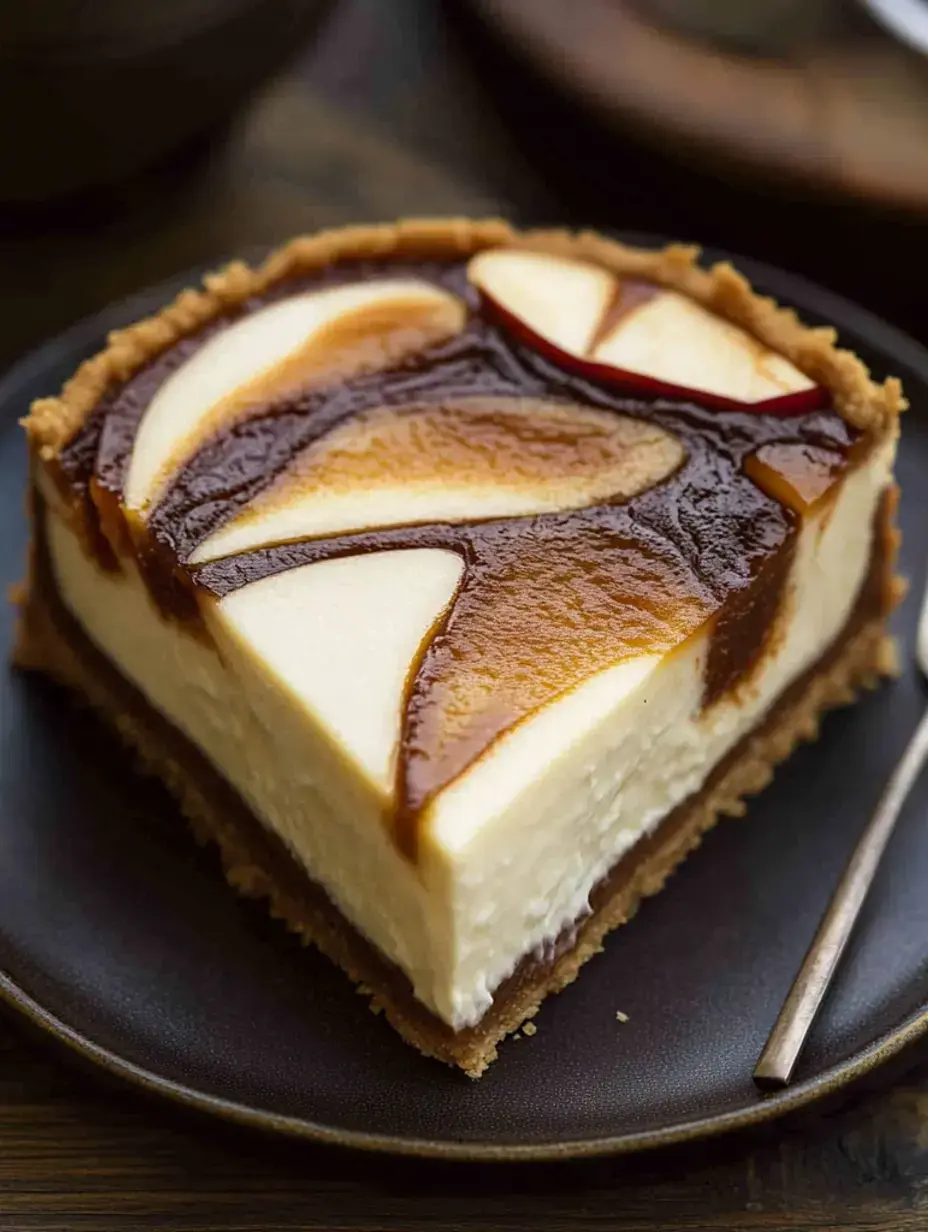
(548, 812)
(338, 639)
(512, 849)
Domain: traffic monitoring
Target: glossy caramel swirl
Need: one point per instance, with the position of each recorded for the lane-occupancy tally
(641, 519)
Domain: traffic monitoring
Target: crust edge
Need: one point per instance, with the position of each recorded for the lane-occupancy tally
(867, 406)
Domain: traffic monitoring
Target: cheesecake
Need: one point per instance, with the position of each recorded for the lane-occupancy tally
(457, 579)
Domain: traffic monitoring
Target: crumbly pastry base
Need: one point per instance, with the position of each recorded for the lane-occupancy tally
(872, 408)
(51, 641)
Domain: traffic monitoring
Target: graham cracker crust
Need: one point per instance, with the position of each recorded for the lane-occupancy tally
(257, 864)
(869, 407)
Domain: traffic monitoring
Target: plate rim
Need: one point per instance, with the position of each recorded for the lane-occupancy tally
(900, 348)
(770, 1108)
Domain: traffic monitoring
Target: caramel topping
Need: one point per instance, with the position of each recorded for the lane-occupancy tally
(542, 609)
(350, 331)
(546, 455)
(797, 475)
(516, 442)
(661, 516)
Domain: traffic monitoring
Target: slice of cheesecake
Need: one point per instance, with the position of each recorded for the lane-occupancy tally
(456, 580)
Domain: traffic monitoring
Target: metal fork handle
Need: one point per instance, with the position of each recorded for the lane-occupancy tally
(778, 1060)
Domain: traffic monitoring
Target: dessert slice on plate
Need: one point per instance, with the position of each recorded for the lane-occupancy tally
(456, 580)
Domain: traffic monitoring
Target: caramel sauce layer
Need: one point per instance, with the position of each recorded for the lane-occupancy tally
(539, 455)
(547, 599)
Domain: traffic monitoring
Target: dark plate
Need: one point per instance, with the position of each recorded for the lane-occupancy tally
(121, 939)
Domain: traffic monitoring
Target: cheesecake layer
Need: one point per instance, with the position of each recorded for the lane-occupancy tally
(259, 865)
(470, 564)
(515, 846)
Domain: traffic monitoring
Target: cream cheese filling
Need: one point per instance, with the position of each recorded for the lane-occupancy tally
(511, 850)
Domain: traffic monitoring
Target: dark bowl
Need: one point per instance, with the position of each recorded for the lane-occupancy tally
(95, 91)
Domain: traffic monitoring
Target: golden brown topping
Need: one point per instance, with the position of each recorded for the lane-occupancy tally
(798, 476)
(468, 459)
(540, 614)
(569, 455)
(304, 342)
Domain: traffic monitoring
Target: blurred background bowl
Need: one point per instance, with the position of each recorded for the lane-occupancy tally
(95, 91)
(906, 19)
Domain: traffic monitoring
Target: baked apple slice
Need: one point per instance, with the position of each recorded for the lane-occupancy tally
(636, 334)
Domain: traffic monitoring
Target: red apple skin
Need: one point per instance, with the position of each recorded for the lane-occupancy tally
(800, 402)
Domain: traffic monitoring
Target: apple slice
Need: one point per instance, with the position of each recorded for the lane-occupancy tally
(675, 341)
(560, 300)
(465, 459)
(305, 340)
(647, 339)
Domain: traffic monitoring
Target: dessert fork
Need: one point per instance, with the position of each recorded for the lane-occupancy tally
(775, 1067)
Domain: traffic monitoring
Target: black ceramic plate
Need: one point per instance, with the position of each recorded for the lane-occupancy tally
(122, 940)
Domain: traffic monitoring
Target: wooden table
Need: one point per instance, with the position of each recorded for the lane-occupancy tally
(75, 1155)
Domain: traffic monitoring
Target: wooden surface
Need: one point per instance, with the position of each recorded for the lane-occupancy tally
(76, 1155)
(74, 1158)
